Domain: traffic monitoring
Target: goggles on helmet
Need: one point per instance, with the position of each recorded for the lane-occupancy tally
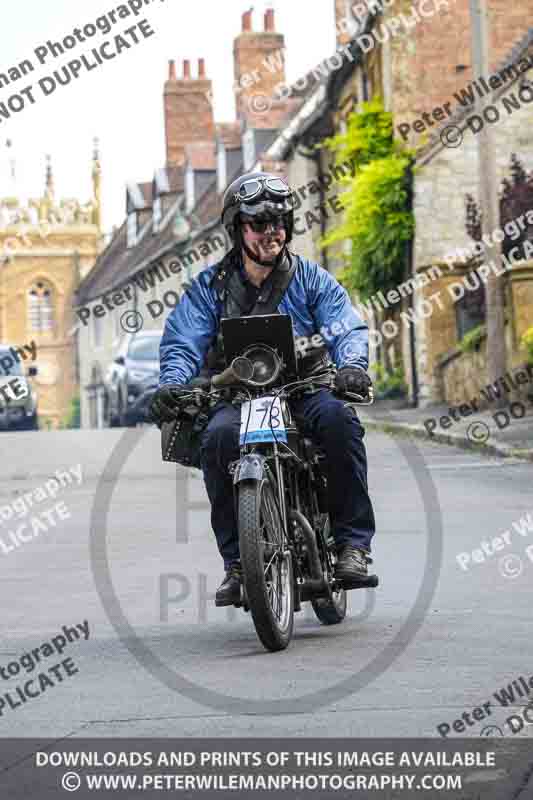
(256, 186)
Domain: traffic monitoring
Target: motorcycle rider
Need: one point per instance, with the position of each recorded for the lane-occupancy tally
(258, 214)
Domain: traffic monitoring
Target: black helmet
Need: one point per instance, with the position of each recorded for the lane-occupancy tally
(257, 194)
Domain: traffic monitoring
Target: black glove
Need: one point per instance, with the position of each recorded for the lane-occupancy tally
(352, 379)
(165, 401)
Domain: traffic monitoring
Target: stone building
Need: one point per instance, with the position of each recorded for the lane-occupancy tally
(420, 63)
(47, 246)
(446, 176)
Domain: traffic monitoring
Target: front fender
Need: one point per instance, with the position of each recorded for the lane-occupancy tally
(251, 467)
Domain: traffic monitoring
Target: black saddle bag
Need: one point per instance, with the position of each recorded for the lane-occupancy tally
(181, 439)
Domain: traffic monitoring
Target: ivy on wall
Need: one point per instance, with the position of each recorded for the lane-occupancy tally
(471, 341)
(378, 219)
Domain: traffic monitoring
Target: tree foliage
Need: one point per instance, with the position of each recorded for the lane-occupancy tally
(73, 419)
(515, 201)
(527, 342)
(378, 220)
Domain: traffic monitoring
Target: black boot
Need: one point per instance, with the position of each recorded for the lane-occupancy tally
(229, 591)
(352, 564)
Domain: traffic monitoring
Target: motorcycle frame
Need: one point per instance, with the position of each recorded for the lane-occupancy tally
(295, 491)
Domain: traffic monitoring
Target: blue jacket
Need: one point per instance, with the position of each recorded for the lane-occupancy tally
(314, 300)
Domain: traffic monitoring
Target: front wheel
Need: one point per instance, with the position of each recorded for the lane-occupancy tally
(266, 565)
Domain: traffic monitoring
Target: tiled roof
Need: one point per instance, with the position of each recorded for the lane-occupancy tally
(117, 263)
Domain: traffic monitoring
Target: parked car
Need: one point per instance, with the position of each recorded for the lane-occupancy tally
(17, 412)
(135, 367)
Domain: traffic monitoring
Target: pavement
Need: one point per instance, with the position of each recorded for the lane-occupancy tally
(502, 432)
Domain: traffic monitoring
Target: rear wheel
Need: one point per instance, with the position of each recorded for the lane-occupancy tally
(330, 612)
(267, 568)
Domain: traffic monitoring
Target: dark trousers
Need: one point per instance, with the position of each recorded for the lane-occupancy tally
(330, 424)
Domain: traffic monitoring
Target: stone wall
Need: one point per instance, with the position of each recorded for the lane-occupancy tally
(522, 297)
(437, 50)
(464, 377)
(455, 376)
(444, 177)
(447, 175)
(54, 263)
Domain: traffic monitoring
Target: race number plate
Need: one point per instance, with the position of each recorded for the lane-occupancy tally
(262, 421)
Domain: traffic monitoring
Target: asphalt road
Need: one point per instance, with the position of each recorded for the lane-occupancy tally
(433, 641)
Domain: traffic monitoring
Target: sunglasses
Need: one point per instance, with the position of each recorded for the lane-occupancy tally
(254, 187)
(260, 225)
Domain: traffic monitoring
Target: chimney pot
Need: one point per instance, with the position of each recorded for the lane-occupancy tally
(201, 68)
(247, 21)
(270, 25)
(172, 70)
(187, 70)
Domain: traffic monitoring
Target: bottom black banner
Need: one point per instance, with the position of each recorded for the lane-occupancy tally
(462, 769)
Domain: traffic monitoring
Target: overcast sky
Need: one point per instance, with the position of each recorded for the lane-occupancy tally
(121, 101)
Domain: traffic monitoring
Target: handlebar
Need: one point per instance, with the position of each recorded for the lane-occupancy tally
(229, 378)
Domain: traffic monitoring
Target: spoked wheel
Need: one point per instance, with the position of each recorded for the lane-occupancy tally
(330, 612)
(266, 566)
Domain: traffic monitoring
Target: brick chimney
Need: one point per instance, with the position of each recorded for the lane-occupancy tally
(188, 110)
(259, 66)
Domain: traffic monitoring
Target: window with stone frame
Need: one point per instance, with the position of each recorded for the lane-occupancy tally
(40, 305)
(470, 311)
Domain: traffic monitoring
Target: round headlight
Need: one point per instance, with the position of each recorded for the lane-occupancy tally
(266, 365)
